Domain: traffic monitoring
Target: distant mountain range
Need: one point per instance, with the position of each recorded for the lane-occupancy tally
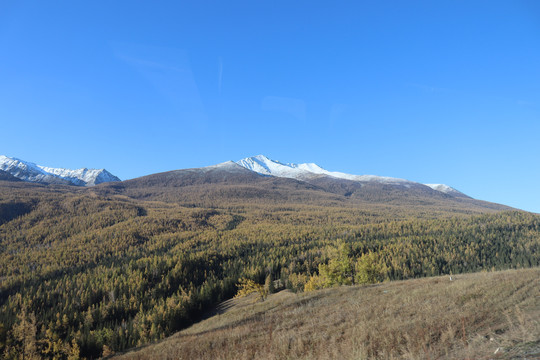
(253, 177)
(28, 171)
(13, 168)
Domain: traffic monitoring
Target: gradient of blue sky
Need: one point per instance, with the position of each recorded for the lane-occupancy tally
(430, 91)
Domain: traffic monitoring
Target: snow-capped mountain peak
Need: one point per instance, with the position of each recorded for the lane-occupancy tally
(29, 171)
(263, 165)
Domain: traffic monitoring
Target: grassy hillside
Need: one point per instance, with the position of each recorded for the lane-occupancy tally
(490, 315)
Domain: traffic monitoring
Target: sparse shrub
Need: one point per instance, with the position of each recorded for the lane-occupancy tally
(107, 351)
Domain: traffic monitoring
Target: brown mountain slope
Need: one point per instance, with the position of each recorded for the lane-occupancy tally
(228, 183)
(5, 176)
(217, 186)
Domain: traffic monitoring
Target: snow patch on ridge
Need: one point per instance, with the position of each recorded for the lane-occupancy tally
(227, 165)
(445, 189)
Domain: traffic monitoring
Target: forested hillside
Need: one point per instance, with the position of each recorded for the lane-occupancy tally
(88, 272)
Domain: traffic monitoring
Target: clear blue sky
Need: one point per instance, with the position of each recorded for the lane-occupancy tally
(434, 91)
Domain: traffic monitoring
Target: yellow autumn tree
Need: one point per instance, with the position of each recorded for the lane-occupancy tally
(248, 286)
(367, 269)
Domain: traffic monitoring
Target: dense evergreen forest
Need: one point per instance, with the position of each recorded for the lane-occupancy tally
(84, 274)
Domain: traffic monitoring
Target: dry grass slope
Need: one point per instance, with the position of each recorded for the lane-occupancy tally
(476, 316)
